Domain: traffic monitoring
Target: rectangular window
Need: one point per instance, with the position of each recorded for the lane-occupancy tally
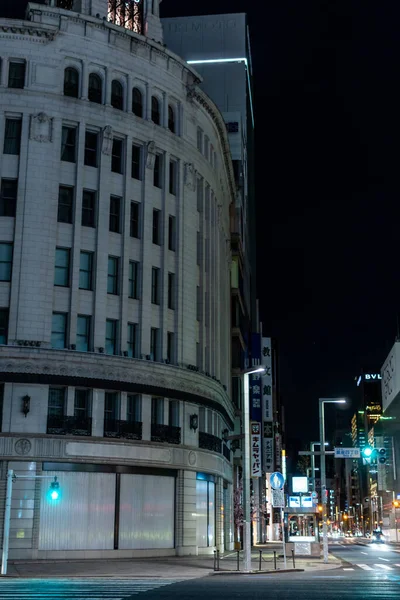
(88, 208)
(198, 304)
(136, 162)
(6, 256)
(156, 226)
(113, 275)
(155, 343)
(171, 291)
(16, 75)
(65, 204)
(3, 325)
(171, 347)
(135, 217)
(171, 233)
(134, 408)
(68, 144)
(82, 404)
(173, 413)
(200, 194)
(8, 197)
(111, 336)
(202, 419)
(61, 272)
(56, 405)
(86, 271)
(199, 248)
(157, 411)
(209, 421)
(115, 214)
(59, 330)
(91, 148)
(157, 173)
(132, 340)
(12, 136)
(117, 156)
(83, 333)
(111, 406)
(133, 279)
(206, 147)
(199, 140)
(155, 285)
(173, 168)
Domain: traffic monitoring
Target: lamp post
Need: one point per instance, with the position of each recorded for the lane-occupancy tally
(246, 468)
(323, 401)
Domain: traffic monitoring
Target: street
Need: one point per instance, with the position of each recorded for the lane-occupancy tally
(370, 572)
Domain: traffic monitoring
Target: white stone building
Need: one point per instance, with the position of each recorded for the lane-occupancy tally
(115, 259)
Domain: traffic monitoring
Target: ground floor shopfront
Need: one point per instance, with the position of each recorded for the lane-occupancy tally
(110, 510)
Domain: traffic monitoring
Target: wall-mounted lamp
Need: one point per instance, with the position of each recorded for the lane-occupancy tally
(26, 404)
(194, 422)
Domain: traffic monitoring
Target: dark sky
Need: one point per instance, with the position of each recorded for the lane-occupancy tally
(327, 147)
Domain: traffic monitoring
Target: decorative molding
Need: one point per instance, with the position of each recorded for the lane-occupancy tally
(151, 155)
(41, 128)
(190, 177)
(107, 139)
(23, 447)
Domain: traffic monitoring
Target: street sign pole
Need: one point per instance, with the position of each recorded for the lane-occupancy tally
(283, 536)
(7, 518)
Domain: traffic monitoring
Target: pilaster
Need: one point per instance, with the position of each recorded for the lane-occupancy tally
(186, 543)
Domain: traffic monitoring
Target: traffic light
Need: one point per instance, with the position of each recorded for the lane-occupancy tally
(382, 456)
(367, 452)
(54, 491)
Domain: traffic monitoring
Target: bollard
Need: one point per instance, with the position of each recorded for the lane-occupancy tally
(259, 568)
(294, 564)
(238, 561)
(275, 560)
(215, 560)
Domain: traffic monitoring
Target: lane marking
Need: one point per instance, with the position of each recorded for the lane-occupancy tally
(381, 558)
(365, 567)
(348, 569)
(383, 567)
(364, 553)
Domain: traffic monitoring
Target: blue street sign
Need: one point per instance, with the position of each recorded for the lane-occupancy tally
(277, 480)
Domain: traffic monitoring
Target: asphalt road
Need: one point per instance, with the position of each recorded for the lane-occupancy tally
(369, 573)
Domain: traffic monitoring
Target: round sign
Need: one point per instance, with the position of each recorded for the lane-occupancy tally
(314, 495)
(277, 480)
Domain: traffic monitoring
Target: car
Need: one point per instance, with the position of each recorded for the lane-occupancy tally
(378, 537)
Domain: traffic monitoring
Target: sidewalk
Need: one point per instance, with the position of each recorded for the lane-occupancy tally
(174, 567)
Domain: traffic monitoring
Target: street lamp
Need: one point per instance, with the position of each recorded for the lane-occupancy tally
(323, 401)
(246, 467)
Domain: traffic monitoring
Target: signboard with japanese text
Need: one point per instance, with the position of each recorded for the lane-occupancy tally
(278, 498)
(278, 450)
(266, 380)
(347, 452)
(255, 450)
(255, 380)
(307, 501)
(267, 406)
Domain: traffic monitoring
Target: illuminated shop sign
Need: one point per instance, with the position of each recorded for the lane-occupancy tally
(369, 377)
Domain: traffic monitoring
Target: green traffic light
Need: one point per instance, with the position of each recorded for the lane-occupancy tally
(367, 452)
(54, 495)
(54, 491)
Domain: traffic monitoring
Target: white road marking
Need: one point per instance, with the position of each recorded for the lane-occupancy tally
(381, 558)
(383, 567)
(364, 553)
(365, 567)
(348, 569)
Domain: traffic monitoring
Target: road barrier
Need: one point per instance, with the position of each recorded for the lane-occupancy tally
(267, 561)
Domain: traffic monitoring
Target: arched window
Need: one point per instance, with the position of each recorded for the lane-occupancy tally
(71, 82)
(117, 95)
(155, 110)
(171, 119)
(95, 92)
(137, 102)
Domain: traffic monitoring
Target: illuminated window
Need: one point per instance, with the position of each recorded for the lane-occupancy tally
(127, 14)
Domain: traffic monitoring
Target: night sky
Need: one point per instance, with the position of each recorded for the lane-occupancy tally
(327, 146)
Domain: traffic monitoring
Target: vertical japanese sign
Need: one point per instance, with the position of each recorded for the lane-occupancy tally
(255, 380)
(256, 470)
(267, 406)
(278, 450)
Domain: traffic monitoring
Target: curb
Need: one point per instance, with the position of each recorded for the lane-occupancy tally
(278, 571)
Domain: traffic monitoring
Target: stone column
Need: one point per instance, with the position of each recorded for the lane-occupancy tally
(228, 517)
(3, 72)
(186, 543)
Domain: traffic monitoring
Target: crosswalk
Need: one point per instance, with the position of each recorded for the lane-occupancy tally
(375, 567)
(78, 589)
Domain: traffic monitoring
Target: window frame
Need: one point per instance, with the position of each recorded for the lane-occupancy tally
(8, 202)
(133, 276)
(62, 404)
(171, 291)
(86, 210)
(68, 147)
(117, 159)
(138, 105)
(95, 95)
(115, 214)
(61, 332)
(155, 343)
(158, 171)
(155, 110)
(4, 320)
(136, 400)
(12, 145)
(71, 87)
(136, 165)
(132, 340)
(155, 285)
(12, 64)
(117, 98)
(90, 151)
(114, 323)
(86, 411)
(87, 273)
(134, 220)
(171, 118)
(8, 261)
(156, 228)
(172, 233)
(64, 206)
(113, 277)
(88, 333)
(173, 177)
(64, 271)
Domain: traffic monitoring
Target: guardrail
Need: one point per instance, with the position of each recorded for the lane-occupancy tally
(238, 555)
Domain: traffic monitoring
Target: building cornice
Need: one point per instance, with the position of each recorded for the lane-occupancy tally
(39, 365)
(26, 29)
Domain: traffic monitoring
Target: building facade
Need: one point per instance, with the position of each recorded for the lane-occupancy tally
(115, 333)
